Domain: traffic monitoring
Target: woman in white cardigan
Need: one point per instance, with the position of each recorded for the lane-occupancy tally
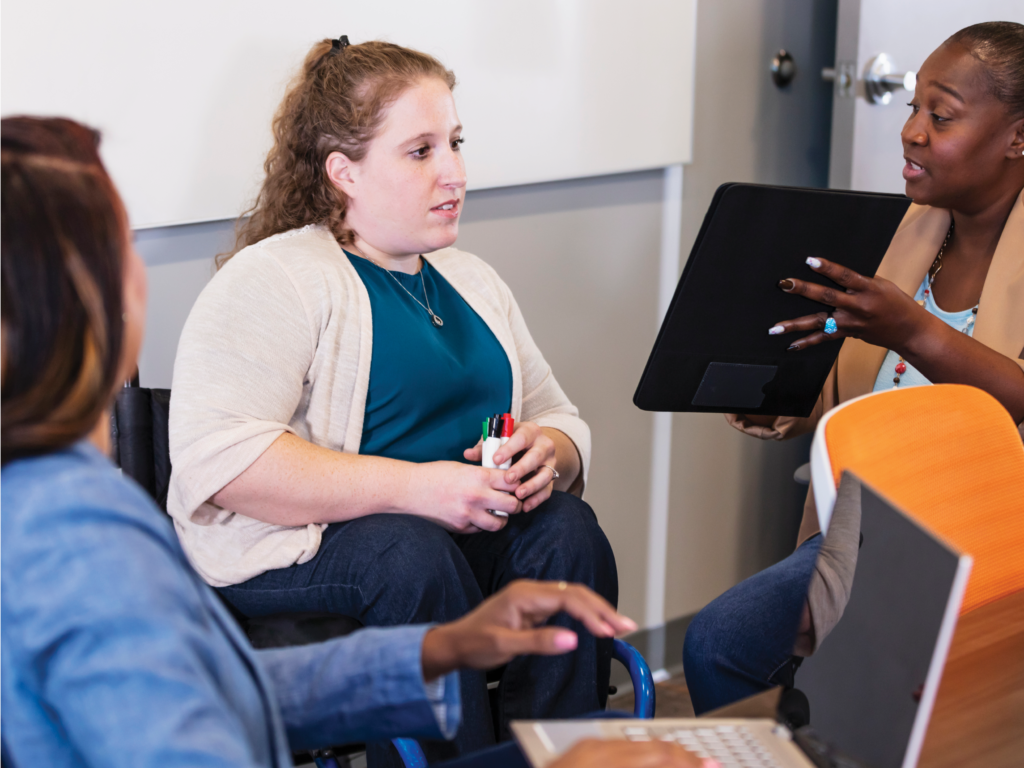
(332, 378)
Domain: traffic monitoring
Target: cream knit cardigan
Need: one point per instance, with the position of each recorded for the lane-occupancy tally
(280, 341)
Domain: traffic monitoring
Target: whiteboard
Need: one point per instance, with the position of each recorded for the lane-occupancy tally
(184, 91)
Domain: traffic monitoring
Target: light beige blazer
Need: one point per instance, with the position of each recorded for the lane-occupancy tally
(1000, 322)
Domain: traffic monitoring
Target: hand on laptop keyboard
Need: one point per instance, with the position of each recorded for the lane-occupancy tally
(729, 746)
(594, 753)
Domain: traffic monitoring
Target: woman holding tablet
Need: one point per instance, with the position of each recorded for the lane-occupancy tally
(331, 381)
(946, 306)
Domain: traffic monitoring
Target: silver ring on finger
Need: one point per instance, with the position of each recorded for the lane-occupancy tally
(554, 473)
(830, 325)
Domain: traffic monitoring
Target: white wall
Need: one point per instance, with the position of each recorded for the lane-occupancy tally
(185, 91)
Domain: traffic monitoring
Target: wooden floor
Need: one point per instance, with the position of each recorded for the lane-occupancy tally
(979, 714)
(671, 699)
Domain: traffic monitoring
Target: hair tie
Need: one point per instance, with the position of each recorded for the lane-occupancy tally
(339, 45)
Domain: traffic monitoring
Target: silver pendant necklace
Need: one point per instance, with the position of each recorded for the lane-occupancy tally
(437, 321)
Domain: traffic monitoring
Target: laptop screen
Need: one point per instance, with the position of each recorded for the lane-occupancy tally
(866, 683)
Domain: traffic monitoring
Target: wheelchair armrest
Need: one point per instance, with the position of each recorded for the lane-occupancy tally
(640, 675)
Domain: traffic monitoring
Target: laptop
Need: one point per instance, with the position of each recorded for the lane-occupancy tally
(871, 685)
(713, 352)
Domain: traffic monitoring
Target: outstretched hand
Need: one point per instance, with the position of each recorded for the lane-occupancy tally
(869, 308)
(594, 753)
(507, 625)
(877, 311)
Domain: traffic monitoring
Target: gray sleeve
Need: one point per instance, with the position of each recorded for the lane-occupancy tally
(832, 580)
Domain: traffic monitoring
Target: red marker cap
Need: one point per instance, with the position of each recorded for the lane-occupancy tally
(507, 424)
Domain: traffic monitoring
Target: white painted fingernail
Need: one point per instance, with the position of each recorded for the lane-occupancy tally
(775, 330)
(566, 641)
(813, 262)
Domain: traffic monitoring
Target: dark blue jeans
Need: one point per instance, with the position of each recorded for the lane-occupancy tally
(742, 642)
(387, 570)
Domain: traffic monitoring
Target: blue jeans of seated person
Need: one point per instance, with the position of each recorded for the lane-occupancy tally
(741, 643)
(387, 570)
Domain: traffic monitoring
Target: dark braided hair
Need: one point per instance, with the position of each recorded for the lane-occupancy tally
(64, 242)
(999, 46)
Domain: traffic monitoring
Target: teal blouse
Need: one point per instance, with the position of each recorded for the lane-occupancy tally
(429, 387)
(962, 321)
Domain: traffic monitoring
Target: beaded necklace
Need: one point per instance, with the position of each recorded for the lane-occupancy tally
(901, 366)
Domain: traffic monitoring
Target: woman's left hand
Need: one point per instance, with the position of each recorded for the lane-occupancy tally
(512, 622)
(534, 450)
(869, 308)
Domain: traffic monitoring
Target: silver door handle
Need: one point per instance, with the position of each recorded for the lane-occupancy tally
(844, 76)
(880, 80)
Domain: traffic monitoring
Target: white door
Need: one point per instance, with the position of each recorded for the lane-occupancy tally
(866, 152)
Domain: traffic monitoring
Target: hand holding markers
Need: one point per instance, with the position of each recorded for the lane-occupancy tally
(496, 432)
(457, 496)
(536, 455)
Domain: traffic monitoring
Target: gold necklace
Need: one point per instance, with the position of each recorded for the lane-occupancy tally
(901, 366)
(933, 270)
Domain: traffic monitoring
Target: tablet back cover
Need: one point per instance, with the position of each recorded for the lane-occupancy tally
(713, 352)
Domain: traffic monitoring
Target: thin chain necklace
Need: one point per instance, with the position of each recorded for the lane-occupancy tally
(437, 321)
(901, 366)
(933, 270)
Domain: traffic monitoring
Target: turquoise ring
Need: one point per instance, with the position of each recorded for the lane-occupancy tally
(830, 326)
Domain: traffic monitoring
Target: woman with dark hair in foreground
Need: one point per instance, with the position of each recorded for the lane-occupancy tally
(115, 653)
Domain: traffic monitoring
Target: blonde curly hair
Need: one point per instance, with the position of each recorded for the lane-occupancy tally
(336, 104)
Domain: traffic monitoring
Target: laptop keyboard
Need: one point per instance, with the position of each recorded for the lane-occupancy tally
(731, 745)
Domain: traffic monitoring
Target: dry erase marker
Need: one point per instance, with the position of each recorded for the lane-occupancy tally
(491, 443)
(507, 426)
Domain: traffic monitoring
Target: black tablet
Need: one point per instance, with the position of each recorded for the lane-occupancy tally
(713, 352)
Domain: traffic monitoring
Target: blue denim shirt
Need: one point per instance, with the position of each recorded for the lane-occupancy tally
(115, 653)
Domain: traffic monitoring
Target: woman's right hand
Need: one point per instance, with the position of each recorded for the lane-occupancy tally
(594, 753)
(457, 496)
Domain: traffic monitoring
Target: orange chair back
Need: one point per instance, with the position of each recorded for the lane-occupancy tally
(951, 457)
